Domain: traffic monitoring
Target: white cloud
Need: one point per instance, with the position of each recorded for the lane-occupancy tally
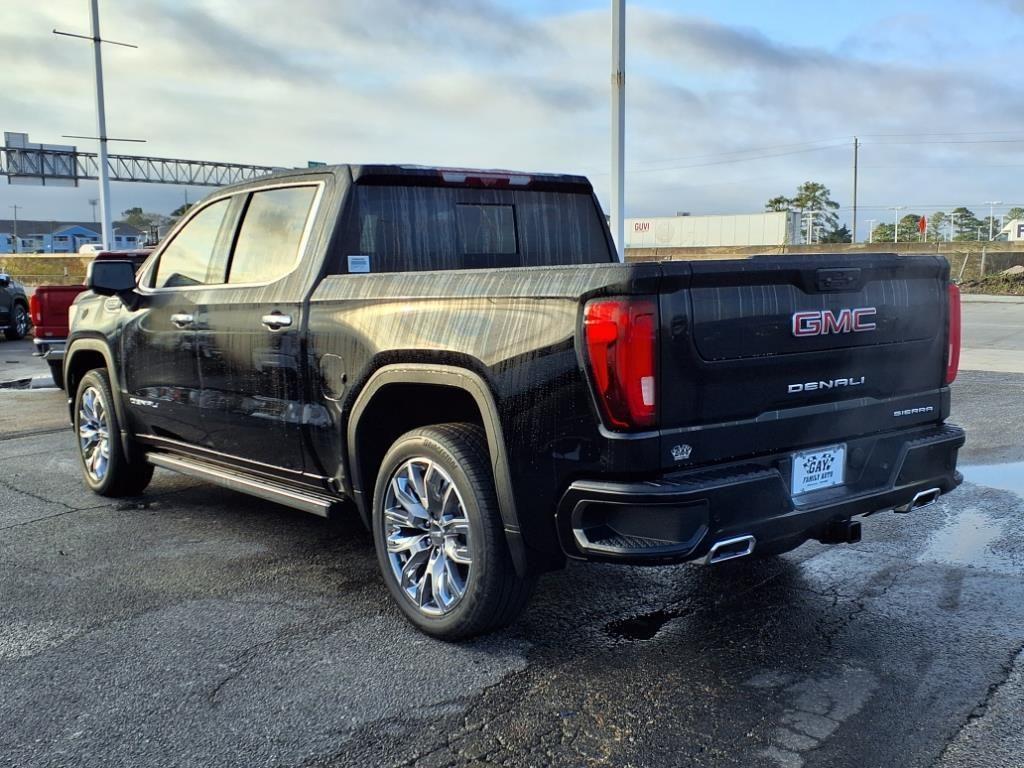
(473, 82)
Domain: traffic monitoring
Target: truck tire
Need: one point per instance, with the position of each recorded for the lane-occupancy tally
(57, 372)
(20, 322)
(105, 467)
(439, 536)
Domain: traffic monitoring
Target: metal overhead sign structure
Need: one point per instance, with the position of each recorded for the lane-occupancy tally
(24, 162)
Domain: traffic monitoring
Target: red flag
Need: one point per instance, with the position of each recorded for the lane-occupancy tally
(922, 224)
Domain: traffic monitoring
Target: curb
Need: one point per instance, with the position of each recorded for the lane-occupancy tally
(984, 298)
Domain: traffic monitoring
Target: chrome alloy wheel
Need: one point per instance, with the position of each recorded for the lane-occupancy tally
(94, 434)
(20, 320)
(427, 536)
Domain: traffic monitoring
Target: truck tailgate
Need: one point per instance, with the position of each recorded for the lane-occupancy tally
(782, 352)
(50, 304)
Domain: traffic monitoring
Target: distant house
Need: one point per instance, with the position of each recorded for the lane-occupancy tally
(62, 236)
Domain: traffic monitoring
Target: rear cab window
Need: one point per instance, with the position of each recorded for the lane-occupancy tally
(271, 233)
(396, 228)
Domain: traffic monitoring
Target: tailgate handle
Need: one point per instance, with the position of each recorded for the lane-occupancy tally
(839, 279)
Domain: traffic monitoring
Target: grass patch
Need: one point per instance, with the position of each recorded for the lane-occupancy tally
(1001, 284)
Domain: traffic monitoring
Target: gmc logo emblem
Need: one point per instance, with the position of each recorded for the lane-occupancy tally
(826, 321)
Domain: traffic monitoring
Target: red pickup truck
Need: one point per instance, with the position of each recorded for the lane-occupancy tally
(48, 308)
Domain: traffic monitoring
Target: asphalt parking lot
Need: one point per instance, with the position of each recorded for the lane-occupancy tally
(197, 627)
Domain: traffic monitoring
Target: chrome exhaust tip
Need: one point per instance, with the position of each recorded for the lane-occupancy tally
(730, 549)
(921, 500)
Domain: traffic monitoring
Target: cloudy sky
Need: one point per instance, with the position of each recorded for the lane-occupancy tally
(728, 103)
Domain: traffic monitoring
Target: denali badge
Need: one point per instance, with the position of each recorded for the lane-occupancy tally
(813, 386)
(826, 321)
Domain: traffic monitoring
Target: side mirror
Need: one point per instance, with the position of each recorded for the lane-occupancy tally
(111, 278)
(5, 280)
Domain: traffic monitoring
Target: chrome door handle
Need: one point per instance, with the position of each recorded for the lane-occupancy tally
(276, 320)
(182, 320)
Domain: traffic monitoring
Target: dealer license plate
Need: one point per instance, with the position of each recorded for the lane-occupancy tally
(817, 469)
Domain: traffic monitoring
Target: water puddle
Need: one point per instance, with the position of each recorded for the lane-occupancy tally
(968, 540)
(643, 627)
(1005, 477)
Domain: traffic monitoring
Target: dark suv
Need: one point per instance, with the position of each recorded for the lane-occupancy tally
(14, 316)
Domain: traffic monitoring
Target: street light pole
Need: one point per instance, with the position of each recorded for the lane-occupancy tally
(101, 117)
(618, 189)
(15, 233)
(856, 151)
(871, 230)
(810, 226)
(896, 228)
(101, 124)
(991, 216)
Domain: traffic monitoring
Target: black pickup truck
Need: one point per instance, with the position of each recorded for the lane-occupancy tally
(459, 356)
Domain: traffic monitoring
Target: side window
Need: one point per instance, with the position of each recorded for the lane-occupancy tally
(270, 234)
(192, 256)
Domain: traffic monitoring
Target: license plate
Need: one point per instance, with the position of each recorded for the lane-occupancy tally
(817, 469)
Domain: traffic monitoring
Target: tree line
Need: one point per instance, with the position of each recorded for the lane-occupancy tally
(819, 222)
(961, 225)
(140, 219)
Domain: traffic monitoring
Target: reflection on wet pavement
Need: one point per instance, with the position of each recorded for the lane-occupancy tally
(968, 540)
(1006, 477)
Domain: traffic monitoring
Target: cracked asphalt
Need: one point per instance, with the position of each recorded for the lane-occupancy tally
(195, 626)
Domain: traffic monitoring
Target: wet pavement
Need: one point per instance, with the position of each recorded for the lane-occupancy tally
(18, 365)
(199, 627)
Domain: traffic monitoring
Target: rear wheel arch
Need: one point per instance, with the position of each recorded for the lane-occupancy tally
(441, 394)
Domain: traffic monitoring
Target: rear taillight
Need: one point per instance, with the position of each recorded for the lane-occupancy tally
(621, 337)
(34, 310)
(953, 361)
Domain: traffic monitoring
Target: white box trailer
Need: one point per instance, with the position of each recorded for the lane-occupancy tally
(768, 229)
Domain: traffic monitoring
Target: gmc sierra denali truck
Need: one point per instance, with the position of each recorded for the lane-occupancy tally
(459, 356)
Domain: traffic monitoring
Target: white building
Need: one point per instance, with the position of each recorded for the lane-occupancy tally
(1014, 230)
(684, 231)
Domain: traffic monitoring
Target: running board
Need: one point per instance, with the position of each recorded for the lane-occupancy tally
(307, 502)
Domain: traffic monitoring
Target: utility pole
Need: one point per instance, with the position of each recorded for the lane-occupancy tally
(15, 233)
(101, 119)
(897, 208)
(991, 216)
(871, 230)
(618, 189)
(856, 149)
(93, 202)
